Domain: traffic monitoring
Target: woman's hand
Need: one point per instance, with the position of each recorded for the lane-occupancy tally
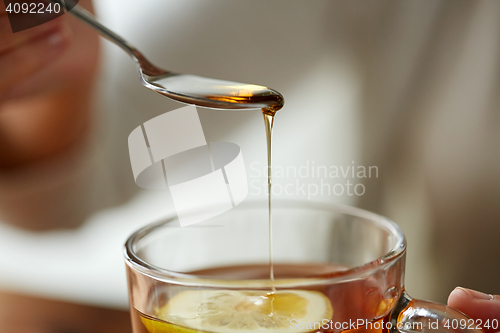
(477, 305)
(46, 79)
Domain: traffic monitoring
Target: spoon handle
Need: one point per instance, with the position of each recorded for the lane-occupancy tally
(145, 66)
(91, 20)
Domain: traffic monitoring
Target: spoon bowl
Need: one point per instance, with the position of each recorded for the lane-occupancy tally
(213, 93)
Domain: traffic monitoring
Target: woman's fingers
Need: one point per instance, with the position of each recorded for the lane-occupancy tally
(10, 40)
(23, 60)
(483, 307)
(23, 53)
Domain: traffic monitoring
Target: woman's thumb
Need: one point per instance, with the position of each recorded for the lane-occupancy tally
(484, 308)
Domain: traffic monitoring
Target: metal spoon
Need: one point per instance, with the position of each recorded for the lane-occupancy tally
(189, 89)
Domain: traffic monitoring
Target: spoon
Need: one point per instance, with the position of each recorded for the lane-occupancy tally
(185, 88)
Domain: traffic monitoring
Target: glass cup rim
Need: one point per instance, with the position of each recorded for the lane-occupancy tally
(187, 279)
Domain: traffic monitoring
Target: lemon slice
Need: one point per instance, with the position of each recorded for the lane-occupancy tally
(225, 311)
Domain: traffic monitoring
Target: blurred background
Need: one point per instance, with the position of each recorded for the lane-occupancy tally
(408, 87)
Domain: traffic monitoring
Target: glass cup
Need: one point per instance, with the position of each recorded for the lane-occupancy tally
(354, 258)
